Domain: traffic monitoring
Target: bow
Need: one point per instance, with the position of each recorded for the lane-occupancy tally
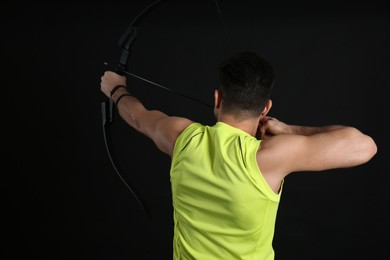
(125, 42)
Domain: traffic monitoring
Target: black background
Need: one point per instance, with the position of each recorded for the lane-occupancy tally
(65, 199)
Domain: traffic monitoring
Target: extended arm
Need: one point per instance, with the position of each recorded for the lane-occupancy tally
(162, 129)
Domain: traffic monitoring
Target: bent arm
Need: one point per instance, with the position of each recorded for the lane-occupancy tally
(293, 148)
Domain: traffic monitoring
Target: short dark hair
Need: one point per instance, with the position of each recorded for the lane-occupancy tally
(246, 81)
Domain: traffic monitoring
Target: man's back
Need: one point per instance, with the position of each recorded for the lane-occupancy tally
(224, 209)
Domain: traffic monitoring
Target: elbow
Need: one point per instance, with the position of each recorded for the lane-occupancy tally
(366, 147)
(370, 149)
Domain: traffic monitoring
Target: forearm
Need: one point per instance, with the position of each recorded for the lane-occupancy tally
(270, 126)
(129, 107)
(311, 130)
(162, 129)
(136, 115)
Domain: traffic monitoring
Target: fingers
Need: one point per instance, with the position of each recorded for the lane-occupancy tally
(268, 127)
(113, 75)
(112, 79)
(109, 80)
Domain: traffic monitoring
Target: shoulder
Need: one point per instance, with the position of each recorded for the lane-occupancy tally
(178, 124)
(167, 132)
(277, 156)
(188, 131)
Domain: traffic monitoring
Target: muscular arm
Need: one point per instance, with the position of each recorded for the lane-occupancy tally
(162, 129)
(290, 148)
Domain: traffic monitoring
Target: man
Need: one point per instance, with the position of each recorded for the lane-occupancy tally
(227, 178)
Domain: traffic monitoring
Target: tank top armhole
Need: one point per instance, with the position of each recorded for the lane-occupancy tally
(184, 137)
(263, 184)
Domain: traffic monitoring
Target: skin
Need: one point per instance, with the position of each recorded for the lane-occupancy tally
(284, 148)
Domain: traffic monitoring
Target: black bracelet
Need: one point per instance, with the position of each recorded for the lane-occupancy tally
(116, 88)
(121, 96)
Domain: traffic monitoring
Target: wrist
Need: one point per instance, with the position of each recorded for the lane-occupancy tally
(116, 89)
(118, 93)
(121, 96)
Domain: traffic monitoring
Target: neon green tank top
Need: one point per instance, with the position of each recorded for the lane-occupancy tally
(223, 207)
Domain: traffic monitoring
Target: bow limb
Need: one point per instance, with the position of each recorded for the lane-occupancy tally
(108, 144)
(107, 107)
(125, 42)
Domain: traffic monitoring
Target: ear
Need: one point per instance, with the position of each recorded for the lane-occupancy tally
(217, 98)
(267, 108)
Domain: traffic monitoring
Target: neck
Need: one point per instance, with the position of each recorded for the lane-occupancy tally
(249, 125)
